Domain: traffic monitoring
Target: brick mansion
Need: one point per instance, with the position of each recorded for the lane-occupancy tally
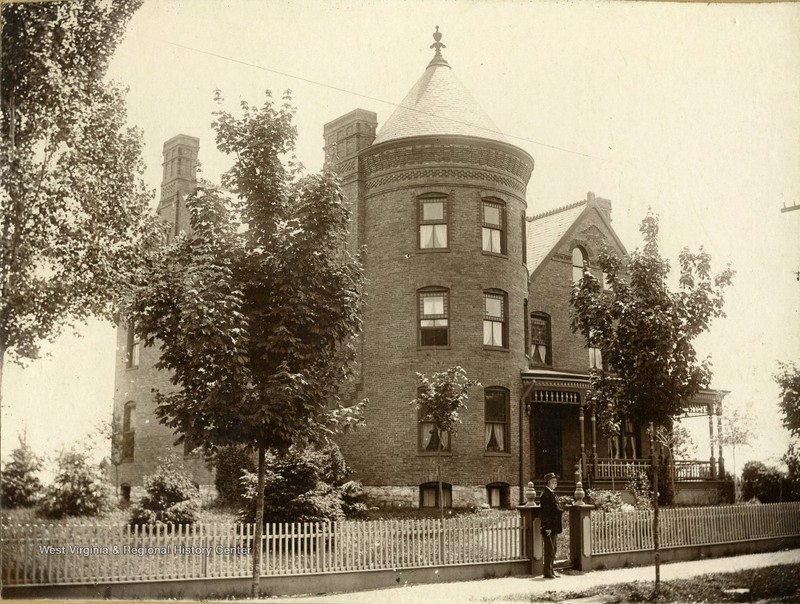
(460, 270)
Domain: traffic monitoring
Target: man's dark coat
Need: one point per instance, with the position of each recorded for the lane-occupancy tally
(551, 512)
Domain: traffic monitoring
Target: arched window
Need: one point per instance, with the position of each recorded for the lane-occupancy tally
(433, 222)
(132, 346)
(496, 415)
(434, 317)
(429, 495)
(429, 439)
(540, 352)
(579, 263)
(495, 319)
(497, 495)
(128, 431)
(493, 232)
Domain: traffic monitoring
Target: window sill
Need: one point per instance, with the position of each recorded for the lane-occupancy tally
(432, 250)
(433, 347)
(497, 454)
(128, 460)
(434, 454)
(131, 368)
(495, 254)
(495, 348)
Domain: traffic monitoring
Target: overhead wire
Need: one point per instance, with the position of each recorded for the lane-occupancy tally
(368, 97)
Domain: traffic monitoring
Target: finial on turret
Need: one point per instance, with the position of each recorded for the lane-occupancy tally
(438, 59)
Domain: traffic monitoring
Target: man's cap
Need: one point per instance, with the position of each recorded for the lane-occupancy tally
(549, 476)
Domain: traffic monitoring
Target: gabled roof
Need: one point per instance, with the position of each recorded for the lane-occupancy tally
(438, 104)
(547, 230)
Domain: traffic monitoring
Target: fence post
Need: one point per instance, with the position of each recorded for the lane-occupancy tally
(531, 530)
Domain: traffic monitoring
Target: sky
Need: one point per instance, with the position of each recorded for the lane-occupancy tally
(692, 110)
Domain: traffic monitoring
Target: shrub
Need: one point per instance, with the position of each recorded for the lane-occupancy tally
(639, 487)
(170, 497)
(305, 485)
(231, 463)
(605, 501)
(21, 486)
(727, 492)
(78, 488)
(761, 482)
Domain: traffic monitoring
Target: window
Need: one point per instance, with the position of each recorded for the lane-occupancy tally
(429, 438)
(595, 358)
(497, 495)
(128, 430)
(595, 354)
(540, 339)
(496, 425)
(429, 495)
(494, 227)
(433, 223)
(132, 347)
(579, 264)
(494, 320)
(434, 324)
(125, 492)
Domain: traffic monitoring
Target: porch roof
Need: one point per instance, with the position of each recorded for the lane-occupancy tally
(539, 379)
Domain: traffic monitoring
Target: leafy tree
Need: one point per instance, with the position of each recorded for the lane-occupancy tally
(73, 205)
(170, 496)
(792, 461)
(20, 486)
(439, 401)
(736, 432)
(231, 463)
(256, 311)
(788, 379)
(78, 488)
(645, 333)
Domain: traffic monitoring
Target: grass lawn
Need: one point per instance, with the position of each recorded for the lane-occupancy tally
(770, 584)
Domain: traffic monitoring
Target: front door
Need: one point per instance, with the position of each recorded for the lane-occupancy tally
(546, 427)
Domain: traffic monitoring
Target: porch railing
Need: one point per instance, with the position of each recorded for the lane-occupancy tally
(623, 469)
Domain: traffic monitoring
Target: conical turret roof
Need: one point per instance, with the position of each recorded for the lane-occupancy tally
(438, 104)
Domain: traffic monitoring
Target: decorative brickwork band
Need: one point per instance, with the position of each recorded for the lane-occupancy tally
(446, 173)
(454, 153)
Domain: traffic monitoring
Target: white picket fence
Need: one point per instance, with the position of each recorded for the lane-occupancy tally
(80, 553)
(633, 531)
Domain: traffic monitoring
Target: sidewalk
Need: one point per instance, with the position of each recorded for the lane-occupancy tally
(501, 590)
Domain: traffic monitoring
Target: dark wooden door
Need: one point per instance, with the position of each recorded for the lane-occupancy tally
(546, 429)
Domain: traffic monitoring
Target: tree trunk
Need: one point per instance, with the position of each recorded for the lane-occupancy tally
(2, 363)
(259, 532)
(656, 544)
(439, 478)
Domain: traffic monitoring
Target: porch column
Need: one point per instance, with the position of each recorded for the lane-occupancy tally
(582, 422)
(711, 440)
(594, 444)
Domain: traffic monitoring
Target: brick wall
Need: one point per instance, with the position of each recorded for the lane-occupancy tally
(394, 175)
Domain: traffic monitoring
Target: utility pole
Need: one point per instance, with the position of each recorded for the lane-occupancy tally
(791, 208)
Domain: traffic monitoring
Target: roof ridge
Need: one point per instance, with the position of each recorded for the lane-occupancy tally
(564, 208)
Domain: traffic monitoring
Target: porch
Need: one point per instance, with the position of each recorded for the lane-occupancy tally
(564, 438)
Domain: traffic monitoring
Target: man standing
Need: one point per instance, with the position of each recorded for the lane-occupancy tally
(551, 523)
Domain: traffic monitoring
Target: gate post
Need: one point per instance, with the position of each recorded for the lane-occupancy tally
(531, 532)
(580, 529)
